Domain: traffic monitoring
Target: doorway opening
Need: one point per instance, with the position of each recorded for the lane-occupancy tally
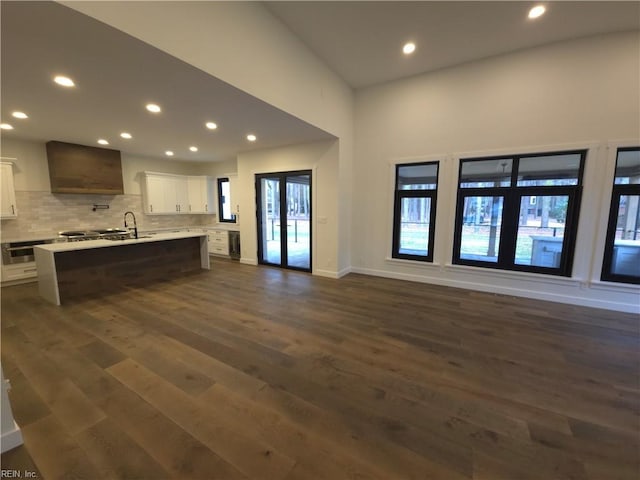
(284, 219)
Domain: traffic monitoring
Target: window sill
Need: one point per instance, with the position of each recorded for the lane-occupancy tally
(614, 286)
(515, 275)
(413, 263)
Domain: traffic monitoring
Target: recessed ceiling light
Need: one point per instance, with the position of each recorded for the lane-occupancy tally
(193, 149)
(102, 141)
(19, 115)
(211, 125)
(6, 126)
(537, 11)
(169, 153)
(64, 81)
(409, 48)
(125, 135)
(152, 107)
(251, 137)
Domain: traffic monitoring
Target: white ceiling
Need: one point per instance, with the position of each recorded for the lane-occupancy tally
(362, 41)
(117, 74)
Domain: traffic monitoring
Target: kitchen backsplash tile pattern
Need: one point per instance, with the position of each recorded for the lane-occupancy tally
(43, 213)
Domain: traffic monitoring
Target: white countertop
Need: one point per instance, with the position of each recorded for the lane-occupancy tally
(89, 244)
(31, 237)
(223, 226)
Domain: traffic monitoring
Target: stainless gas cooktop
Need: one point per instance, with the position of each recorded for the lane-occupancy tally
(96, 234)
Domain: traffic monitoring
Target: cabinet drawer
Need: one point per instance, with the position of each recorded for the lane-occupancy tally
(218, 250)
(219, 235)
(19, 272)
(219, 241)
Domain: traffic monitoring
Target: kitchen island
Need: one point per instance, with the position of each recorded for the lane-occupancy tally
(77, 269)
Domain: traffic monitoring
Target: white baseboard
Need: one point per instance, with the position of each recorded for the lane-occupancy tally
(582, 296)
(344, 271)
(326, 273)
(332, 273)
(11, 439)
(249, 261)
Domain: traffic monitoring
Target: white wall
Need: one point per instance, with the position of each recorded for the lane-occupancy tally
(30, 167)
(244, 45)
(220, 169)
(582, 93)
(322, 159)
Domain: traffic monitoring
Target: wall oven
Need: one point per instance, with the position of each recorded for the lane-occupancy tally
(20, 252)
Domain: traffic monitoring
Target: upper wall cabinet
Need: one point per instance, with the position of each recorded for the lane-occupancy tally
(167, 194)
(200, 190)
(7, 191)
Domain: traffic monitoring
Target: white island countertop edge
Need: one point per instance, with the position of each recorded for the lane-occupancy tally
(90, 244)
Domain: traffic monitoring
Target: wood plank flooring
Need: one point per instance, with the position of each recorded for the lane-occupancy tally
(258, 373)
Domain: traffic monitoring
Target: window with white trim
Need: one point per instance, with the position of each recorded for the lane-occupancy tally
(414, 214)
(519, 212)
(622, 248)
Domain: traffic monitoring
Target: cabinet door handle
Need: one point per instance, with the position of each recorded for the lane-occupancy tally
(206, 207)
(13, 210)
(151, 208)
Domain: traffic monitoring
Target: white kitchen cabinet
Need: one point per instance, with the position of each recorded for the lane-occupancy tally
(155, 196)
(7, 191)
(176, 194)
(181, 189)
(162, 194)
(21, 271)
(167, 194)
(218, 242)
(200, 190)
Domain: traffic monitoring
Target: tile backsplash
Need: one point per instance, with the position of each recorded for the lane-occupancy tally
(44, 213)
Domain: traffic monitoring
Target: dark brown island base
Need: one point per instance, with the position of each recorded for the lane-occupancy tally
(76, 269)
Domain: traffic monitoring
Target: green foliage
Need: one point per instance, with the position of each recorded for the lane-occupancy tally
(559, 210)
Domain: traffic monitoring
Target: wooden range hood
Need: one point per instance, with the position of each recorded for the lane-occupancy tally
(82, 169)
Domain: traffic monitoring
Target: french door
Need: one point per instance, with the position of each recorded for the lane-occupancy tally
(284, 219)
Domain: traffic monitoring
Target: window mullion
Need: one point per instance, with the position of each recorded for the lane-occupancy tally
(509, 230)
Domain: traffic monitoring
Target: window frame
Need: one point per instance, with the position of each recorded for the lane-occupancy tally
(617, 192)
(399, 195)
(513, 194)
(221, 218)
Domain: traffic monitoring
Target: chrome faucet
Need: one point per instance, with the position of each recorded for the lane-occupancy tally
(135, 224)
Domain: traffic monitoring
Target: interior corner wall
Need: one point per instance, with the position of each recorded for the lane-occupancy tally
(582, 93)
(219, 169)
(322, 159)
(267, 61)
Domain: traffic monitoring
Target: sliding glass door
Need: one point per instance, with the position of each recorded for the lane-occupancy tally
(284, 219)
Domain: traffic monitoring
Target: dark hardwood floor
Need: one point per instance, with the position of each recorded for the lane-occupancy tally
(261, 373)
